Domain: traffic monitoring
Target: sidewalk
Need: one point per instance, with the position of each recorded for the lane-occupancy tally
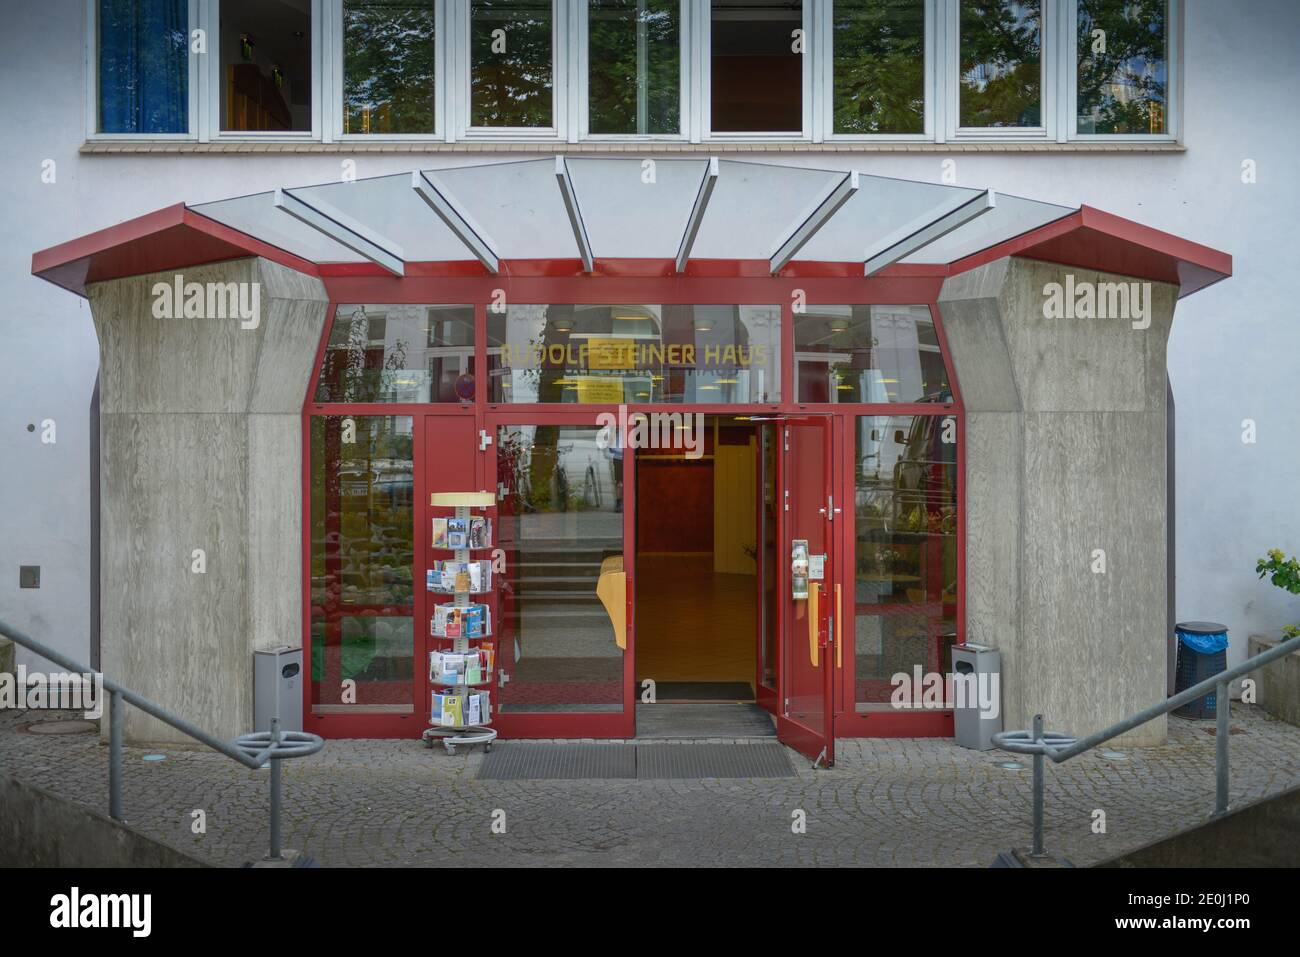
(888, 802)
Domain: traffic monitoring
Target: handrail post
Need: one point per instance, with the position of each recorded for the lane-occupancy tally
(275, 794)
(1037, 849)
(1221, 768)
(115, 756)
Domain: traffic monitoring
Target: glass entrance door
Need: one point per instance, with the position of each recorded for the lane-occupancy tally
(564, 531)
(809, 596)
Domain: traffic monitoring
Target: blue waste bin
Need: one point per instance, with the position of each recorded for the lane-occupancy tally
(1202, 653)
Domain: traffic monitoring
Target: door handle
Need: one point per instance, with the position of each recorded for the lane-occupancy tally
(839, 623)
(814, 590)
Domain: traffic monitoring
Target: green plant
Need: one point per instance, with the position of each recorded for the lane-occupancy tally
(1284, 573)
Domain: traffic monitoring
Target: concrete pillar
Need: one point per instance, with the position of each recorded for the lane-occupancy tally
(201, 450)
(1065, 453)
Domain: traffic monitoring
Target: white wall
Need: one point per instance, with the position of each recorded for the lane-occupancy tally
(1233, 355)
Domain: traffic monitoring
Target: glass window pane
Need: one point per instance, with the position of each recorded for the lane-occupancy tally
(388, 66)
(399, 353)
(635, 354)
(144, 73)
(869, 354)
(634, 66)
(879, 66)
(511, 63)
(266, 67)
(905, 552)
(1123, 72)
(560, 520)
(362, 555)
(1001, 63)
(757, 66)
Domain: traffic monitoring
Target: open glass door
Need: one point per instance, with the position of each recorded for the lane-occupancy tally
(808, 592)
(564, 532)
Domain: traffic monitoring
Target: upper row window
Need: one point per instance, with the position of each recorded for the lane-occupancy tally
(635, 354)
(425, 68)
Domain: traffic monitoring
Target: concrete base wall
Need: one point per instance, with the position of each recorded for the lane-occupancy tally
(38, 829)
(1277, 685)
(1262, 834)
(202, 450)
(1065, 467)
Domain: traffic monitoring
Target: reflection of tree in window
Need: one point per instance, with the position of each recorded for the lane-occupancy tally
(634, 66)
(143, 66)
(1001, 69)
(388, 65)
(510, 72)
(879, 65)
(1122, 73)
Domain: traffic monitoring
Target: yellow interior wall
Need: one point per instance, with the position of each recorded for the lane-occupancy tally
(734, 508)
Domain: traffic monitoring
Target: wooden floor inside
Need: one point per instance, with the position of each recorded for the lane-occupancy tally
(693, 624)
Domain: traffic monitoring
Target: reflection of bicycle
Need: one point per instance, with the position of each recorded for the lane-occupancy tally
(591, 488)
(561, 489)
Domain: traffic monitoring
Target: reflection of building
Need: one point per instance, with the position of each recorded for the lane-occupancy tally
(869, 354)
(636, 354)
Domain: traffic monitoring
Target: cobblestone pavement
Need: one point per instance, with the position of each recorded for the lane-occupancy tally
(888, 802)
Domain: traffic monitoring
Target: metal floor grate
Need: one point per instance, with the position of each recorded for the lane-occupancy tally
(657, 762)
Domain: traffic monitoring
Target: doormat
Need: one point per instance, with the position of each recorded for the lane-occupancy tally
(732, 691)
(694, 720)
(509, 761)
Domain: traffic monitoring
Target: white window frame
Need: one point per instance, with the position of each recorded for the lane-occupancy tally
(336, 74)
(703, 58)
(92, 83)
(1049, 65)
(561, 66)
(571, 104)
(582, 107)
(824, 39)
(1173, 80)
(321, 38)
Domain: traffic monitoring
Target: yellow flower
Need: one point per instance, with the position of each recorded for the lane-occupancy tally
(1276, 554)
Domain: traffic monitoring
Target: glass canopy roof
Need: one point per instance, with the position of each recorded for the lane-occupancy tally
(631, 208)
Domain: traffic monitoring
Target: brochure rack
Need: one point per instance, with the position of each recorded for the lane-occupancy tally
(462, 667)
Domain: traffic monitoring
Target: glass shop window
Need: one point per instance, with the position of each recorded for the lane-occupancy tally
(143, 66)
(266, 66)
(1123, 66)
(757, 66)
(399, 353)
(869, 354)
(878, 69)
(511, 49)
(362, 554)
(635, 354)
(905, 551)
(634, 67)
(1001, 70)
(388, 66)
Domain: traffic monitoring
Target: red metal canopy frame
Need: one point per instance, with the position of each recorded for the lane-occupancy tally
(177, 237)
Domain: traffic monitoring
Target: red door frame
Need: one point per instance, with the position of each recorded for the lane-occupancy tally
(815, 744)
(719, 283)
(572, 724)
(766, 696)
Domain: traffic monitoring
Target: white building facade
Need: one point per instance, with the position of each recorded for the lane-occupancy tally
(1188, 131)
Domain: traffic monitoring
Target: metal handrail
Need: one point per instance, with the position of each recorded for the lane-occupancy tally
(1059, 748)
(278, 745)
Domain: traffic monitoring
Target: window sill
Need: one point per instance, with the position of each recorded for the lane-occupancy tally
(637, 148)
